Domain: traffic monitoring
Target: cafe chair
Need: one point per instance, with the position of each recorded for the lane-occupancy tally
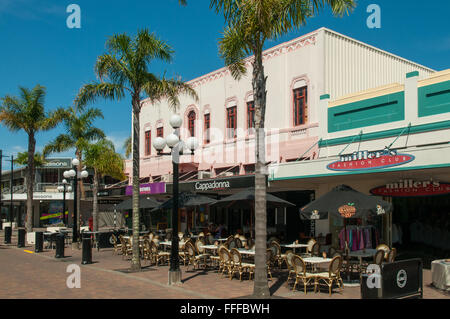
(278, 257)
(301, 275)
(385, 248)
(117, 246)
(391, 255)
(238, 266)
(157, 255)
(225, 261)
(310, 244)
(333, 275)
(195, 259)
(269, 261)
(291, 270)
(315, 250)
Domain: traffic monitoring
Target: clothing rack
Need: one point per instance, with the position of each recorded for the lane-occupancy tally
(359, 237)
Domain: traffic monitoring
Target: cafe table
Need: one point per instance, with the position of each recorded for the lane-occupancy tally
(440, 274)
(244, 251)
(293, 246)
(360, 254)
(314, 261)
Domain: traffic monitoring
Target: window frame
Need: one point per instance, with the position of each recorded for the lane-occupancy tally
(232, 119)
(191, 122)
(300, 112)
(207, 126)
(148, 143)
(250, 116)
(160, 131)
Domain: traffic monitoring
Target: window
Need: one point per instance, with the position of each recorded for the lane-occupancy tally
(300, 106)
(250, 114)
(160, 131)
(148, 143)
(207, 127)
(191, 123)
(231, 122)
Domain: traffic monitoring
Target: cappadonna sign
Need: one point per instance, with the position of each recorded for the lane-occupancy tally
(365, 160)
(411, 188)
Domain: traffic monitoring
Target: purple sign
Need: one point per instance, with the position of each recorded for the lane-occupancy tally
(154, 188)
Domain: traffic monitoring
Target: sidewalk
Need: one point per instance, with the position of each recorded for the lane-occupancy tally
(29, 275)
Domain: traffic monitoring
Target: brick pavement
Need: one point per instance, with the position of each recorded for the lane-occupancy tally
(30, 276)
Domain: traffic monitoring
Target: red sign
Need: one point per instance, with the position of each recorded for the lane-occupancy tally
(364, 160)
(410, 188)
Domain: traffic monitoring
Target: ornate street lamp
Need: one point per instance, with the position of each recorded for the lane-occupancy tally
(75, 176)
(176, 146)
(63, 188)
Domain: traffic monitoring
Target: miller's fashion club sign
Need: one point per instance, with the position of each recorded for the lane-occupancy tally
(412, 188)
(366, 160)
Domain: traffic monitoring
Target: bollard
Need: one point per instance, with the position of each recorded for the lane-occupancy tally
(87, 250)
(21, 238)
(8, 233)
(59, 246)
(39, 242)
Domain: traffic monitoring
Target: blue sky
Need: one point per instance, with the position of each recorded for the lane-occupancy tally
(38, 47)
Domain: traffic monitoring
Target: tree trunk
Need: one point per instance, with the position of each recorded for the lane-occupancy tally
(261, 287)
(135, 260)
(95, 201)
(30, 182)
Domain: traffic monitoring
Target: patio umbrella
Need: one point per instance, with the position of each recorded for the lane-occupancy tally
(186, 200)
(345, 202)
(247, 196)
(144, 202)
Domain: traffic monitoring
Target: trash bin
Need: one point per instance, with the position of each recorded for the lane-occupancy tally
(21, 238)
(59, 246)
(39, 242)
(8, 233)
(87, 250)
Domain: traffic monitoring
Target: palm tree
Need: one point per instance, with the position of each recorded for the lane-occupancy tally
(249, 24)
(125, 68)
(102, 157)
(80, 131)
(22, 159)
(27, 113)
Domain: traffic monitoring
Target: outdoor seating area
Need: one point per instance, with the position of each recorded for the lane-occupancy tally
(301, 265)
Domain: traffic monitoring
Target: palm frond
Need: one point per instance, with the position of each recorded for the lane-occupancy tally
(90, 92)
(127, 146)
(60, 144)
(149, 47)
(233, 48)
(107, 66)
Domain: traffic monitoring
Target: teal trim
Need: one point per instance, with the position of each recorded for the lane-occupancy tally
(363, 172)
(412, 74)
(434, 99)
(379, 110)
(388, 133)
(325, 96)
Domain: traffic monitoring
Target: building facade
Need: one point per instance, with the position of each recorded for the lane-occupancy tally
(301, 73)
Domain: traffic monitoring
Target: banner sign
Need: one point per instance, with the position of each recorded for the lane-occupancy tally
(57, 163)
(365, 160)
(411, 188)
(214, 185)
(153, 188)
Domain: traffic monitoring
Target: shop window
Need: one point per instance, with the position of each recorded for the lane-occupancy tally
(148, 143)
(231, 122)
(191, 123)
(160, 131)
(207, 128)
(300, 106)
(250, 116)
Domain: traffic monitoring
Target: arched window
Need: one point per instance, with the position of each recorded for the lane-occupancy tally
(148, 143)
(300, 111)
(207, 127)
(191, 123)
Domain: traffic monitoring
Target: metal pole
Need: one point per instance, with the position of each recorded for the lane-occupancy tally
(64, 205)
(174, 271)
(11, 191)
(75, 217)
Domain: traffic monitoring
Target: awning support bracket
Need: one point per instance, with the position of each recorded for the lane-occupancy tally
(354, 138)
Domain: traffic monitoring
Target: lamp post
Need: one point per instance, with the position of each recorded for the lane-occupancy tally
(176, 145)
(75, 176)
(62, 188)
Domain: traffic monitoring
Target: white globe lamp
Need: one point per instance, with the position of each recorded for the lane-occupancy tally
(172, 140)
(176, 121)
(159, 143)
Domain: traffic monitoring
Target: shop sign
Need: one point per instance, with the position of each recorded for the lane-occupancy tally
(411, 188)
(153, 188)
(57, 163)
(217, 184)
(365, 160)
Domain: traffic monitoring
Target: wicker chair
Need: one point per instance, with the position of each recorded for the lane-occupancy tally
(385, 248)
(315, 250)
(391, 256)
(269, 260)
(288, 258)
(225, 260)
(147, 252)
(198, 245)
(333, 274)
(117, 246)
(250, 243)
(299, 268)
(310, 244)
(157, 255)
(238, 242)
(238, 266)
(180, 235)
(278, 257)
(349, 265)
(126, 247)
(195, 259)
